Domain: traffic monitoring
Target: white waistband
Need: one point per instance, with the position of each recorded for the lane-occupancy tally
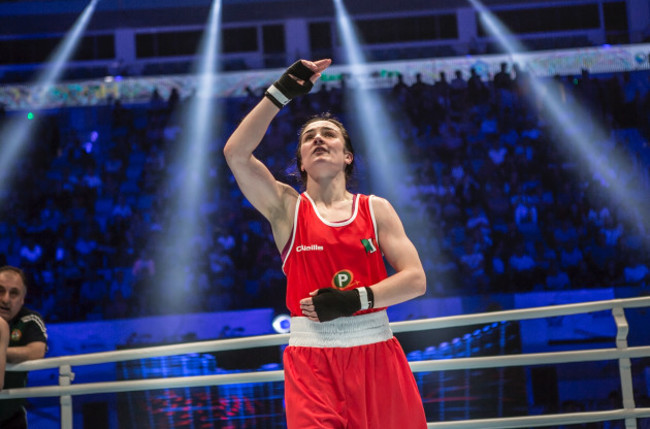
(342, 332)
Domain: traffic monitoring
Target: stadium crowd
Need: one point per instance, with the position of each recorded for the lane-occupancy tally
(508, 207)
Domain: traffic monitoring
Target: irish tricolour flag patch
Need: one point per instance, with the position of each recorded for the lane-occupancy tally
(369, 245)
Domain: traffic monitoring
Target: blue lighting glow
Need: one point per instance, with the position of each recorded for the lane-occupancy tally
(16, 132)
(282, 324)
(189, 177)
(578, 135)
(382, 146)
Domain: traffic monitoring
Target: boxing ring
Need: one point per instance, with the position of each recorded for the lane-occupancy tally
(621, 353)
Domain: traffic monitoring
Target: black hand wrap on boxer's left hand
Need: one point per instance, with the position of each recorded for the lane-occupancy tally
(287, 87)
(331, 304)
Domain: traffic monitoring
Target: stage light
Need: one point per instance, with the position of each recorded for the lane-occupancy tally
(15, 135)
(580, 137)
(382, 149)
(65, 49)
(188, 177)
(381, 144)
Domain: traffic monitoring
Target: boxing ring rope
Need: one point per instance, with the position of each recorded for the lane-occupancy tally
(65, 390)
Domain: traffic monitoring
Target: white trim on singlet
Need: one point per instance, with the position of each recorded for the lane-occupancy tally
(369, 328)
(293, 234)
(355, 210)
(374, 221)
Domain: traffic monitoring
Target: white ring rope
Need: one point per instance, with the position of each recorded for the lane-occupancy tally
(280, 339)
(621, 353)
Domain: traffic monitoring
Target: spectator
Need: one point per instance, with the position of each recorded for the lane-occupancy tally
(525, 214)
(545, 256)
(92, 181)
(477, 219)
(599, 253)
(120, 284)
(557, 279)
(144, 266)
(122, 210)
(86, 248)
(472, 263)
(31, 253)
(570, 257)
(612, 230)
(92, 295)
(497, 153)
(522, 268)
(613, 275)
(567, 232)
(143, 271)
(28, 341)
(498, 206)
(401, 90)
(458, 104)
(521, 81)
(477, 92)
(442, 89)
(502, 79)
(636, 272)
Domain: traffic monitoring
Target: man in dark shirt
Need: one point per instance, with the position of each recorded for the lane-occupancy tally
(27, 341)
(502, 79)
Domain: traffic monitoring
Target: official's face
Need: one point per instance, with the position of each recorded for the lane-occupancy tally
(12, 294)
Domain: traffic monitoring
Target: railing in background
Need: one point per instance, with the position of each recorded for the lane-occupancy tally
(621, 353)
(547, 63)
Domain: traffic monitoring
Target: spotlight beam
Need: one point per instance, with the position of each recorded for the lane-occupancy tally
(15, 134)
(569, 119)
(388, 165)
(497, 30)
(65, 49)
(201, 110)
(382, 145)
(178, 249)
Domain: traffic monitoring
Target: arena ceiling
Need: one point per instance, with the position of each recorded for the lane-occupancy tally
(36, 16)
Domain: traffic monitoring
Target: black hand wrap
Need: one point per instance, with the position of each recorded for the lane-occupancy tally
(331, 304)
(287, 87)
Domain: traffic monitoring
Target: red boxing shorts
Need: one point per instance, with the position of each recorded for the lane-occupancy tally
(349, 373)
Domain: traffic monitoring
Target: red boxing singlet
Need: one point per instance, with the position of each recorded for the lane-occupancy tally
(342, 255)
(350, 372)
